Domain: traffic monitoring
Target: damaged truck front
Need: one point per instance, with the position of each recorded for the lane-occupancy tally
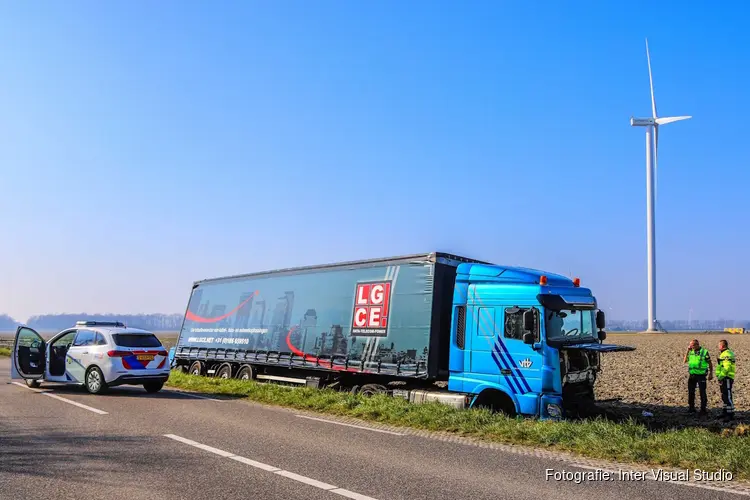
(574, 328)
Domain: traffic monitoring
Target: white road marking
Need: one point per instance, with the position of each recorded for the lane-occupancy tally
(191, 395)
(19, 384)
(64, 400)
(275, 470)
(74, 403)
(350, 425)
(204, 447)
(306, 480)
(253, 463)
(350, 494)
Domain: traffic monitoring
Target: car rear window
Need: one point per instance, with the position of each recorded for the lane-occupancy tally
(149, 340)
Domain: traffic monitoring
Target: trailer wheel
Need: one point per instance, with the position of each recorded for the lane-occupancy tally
(180, 368)
(354, 389)
(246, 372)
(368, 390)
(197, 368)
(224, 371)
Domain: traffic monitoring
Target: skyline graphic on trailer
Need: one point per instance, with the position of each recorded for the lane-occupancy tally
(378, 314)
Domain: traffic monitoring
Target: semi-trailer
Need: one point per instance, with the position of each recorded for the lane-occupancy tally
(427, 327)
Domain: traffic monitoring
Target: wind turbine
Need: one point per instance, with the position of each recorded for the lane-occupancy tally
(652, 153)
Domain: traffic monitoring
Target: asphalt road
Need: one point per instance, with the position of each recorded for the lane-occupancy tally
(64, 443)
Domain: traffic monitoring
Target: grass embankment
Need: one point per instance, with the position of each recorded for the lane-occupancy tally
(4, 351)
(624, 442)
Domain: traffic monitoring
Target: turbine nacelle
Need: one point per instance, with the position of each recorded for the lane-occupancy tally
(642, 122)
(646, 122)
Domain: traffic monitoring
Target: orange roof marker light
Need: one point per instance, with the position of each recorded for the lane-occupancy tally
(577, 282)
(543, 280)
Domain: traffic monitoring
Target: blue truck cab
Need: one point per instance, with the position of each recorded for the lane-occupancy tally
(525, 341)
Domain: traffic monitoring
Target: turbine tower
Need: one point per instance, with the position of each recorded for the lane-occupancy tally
(652, 153)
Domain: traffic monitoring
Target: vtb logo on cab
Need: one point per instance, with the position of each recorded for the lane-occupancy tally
(371, 309)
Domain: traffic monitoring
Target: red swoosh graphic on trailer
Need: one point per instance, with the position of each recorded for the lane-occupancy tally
(200, 319)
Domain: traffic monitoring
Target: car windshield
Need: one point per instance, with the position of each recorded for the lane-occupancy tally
(148, 340)
(567, 325)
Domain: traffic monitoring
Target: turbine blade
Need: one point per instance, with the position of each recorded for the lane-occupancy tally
(671, 119)
(651, 81)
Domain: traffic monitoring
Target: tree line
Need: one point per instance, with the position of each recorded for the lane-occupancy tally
(56, 322)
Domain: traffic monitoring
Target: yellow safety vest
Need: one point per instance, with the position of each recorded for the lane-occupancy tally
(698, 361)
(725, 366)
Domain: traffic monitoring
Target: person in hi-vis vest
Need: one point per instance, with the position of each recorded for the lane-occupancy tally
(725, 369)
(699, 367)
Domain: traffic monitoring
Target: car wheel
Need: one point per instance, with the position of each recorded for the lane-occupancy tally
(153, 387)
(95, 383)
(224, 372)
(246, 373)
(196, 368)
(33, 383)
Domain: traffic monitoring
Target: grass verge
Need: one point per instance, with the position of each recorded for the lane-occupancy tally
(4, 351)
(623, 442)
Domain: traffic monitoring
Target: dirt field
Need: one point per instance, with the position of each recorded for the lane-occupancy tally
(654, 377)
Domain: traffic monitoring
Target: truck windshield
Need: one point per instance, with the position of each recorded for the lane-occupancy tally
(569, 326)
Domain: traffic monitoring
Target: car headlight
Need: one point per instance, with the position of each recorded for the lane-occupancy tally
(554, 410)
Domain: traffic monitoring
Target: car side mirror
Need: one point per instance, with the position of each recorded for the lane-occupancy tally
(529, 321)
(602, 335)
(528, 338)
(600, 323)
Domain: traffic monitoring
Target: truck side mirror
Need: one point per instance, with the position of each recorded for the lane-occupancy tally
(600, 323)
(528, 338)
(529, 321)
(602, 335)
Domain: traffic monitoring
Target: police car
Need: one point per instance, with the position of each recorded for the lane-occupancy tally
(95, 354)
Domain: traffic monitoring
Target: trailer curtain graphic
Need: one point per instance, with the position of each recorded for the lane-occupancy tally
(358, 316)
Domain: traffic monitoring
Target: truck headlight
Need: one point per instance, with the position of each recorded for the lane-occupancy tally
(554, 410)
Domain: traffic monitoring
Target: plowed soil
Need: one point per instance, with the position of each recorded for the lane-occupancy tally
(653, 378)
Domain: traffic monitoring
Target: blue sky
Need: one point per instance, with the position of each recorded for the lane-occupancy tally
(147, 145)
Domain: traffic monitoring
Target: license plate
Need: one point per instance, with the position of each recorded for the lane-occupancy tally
(145, 357)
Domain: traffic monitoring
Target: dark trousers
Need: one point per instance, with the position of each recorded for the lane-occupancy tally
(700, 381)
(727, 396)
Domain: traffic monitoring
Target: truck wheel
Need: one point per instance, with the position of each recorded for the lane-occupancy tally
(180, 368)
(224, 371)
(368, 390)
(153, 387)
(354, 389)
(94, 379)
(34, 384)
(496, 402)
(246, 373)
(196, 368)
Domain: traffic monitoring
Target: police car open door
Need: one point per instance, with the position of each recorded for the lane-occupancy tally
(29, 355)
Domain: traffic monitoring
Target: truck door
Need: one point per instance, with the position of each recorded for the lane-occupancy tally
(481, 357)
(524, 361)
(29, 355)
